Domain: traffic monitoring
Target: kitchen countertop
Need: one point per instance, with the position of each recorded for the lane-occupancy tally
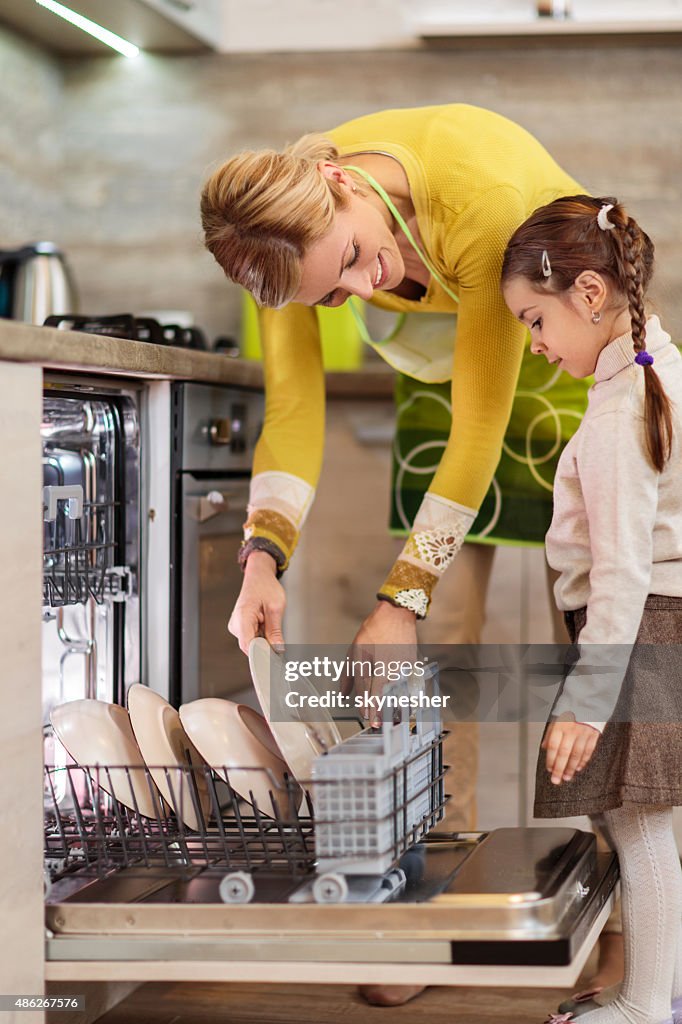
(85, 353)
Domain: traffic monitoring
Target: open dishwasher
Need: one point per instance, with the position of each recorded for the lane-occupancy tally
(319, 886)
(346, 879)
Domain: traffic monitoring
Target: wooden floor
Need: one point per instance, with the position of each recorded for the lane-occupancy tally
(183, 1003)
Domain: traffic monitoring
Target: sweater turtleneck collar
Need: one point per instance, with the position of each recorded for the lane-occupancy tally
(619, 353)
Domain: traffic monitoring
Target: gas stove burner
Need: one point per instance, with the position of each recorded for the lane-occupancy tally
(132, 328)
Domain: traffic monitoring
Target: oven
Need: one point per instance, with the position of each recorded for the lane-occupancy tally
(213, 435)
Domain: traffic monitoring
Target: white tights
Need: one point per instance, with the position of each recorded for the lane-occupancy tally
(651, 894)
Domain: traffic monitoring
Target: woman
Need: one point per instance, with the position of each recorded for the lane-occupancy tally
(410, 210)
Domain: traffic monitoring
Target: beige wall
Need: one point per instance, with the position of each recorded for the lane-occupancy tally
(108, 155)
(30, 147)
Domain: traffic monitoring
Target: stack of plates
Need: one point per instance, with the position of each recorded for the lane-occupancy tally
(258, 756)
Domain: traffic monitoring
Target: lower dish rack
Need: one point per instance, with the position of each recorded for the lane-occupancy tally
(338, 835)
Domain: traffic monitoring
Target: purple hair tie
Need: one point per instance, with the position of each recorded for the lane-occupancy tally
(644, 358)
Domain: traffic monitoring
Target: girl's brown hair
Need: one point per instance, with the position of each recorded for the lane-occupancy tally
(261, 210)
(567, 235)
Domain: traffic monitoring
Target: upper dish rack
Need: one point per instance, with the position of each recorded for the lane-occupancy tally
(78, 549)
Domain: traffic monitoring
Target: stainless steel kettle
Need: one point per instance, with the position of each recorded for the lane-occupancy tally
(36, 282)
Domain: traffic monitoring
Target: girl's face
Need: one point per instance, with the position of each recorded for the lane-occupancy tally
(356, 256)
(561, 326)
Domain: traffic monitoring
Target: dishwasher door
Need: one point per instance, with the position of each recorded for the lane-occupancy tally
(512, 907)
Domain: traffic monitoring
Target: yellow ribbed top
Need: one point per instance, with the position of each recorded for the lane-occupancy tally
(474, 176)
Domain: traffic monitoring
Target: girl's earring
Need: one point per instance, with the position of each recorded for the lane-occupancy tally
(596, 316)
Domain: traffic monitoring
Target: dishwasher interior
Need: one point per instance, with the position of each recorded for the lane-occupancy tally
(91, 615)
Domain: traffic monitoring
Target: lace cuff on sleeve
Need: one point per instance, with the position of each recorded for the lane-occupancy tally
(437, 535)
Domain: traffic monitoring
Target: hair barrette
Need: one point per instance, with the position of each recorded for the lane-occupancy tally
(603, 217)
(644, 358)
(546, 265)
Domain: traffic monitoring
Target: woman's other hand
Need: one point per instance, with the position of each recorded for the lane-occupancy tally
(569, 746)
(388, 633)
(260, 605)
(388, 625)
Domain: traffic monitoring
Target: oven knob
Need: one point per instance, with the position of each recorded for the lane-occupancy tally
(220, 432)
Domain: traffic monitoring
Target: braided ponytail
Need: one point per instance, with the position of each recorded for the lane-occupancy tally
(632, 243)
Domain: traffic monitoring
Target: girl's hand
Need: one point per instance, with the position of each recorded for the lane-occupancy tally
(569, 746)
(260, 605)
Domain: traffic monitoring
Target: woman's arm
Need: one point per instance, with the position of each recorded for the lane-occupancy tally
(286, 467)
(288, 455)
(488, 349)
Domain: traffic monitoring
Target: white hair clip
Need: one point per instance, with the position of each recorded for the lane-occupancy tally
(546, 265)
(603, 217)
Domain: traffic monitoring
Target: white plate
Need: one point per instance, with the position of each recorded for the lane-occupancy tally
(163, 742)
(236, 741)
(300, 741)
(99, 734)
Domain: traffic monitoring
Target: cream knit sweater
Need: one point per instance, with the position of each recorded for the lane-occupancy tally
(616, 532)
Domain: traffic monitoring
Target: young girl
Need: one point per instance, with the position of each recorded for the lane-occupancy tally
(576, 273)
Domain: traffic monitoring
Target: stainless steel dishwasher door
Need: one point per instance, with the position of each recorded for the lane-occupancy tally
(513, 907)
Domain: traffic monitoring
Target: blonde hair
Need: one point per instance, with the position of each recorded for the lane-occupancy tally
(261, 211)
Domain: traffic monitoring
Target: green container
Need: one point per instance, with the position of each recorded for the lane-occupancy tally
(341, 342)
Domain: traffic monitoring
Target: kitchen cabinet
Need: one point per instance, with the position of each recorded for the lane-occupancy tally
(205, 20)
(571, 19)
(21, 872)
(267, 26)
(262, 26)
(24, 352)
(182, 26)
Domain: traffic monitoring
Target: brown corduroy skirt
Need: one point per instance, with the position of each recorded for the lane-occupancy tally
(638, 758)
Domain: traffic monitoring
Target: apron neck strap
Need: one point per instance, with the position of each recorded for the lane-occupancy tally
(401, 222)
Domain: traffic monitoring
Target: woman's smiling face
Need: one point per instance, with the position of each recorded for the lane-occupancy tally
(358, 254)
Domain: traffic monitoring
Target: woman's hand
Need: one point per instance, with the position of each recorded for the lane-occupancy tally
(569, 746)
(260, 605)
(388, 625)
(385, 627)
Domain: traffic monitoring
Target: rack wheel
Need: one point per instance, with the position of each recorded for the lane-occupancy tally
(237, 887)
(395, 881)
(331, 888)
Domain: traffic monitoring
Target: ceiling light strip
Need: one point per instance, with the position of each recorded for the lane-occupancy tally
(91, 27)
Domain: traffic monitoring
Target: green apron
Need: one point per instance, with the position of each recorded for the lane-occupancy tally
(517, 509)
(546, 412)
